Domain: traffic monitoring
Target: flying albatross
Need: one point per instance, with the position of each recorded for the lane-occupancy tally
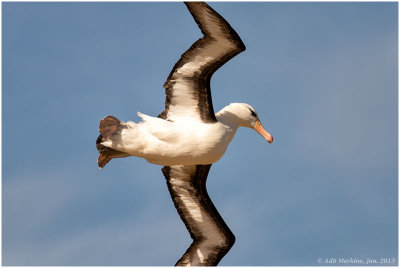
(187, 137)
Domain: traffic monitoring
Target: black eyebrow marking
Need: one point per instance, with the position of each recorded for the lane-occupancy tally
(253, 113)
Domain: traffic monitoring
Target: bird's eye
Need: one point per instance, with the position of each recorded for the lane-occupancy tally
(253, 113)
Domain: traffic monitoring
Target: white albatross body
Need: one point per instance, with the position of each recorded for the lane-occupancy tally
(188, 137)
(185, 141)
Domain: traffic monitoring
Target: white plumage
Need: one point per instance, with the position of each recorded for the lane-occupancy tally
(185, 141)
(187, 137)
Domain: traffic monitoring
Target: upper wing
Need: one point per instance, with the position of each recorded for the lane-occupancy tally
(187, 88)
(212, 238)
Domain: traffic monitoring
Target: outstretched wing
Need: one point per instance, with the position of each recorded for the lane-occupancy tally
(212, 238)
(187, 88)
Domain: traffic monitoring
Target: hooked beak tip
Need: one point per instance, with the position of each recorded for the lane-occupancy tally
(260, 129)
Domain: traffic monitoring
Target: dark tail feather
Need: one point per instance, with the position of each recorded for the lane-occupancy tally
(106, 154)
(109, 125)
(102, 160)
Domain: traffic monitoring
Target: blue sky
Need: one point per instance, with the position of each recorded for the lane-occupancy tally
(322, 77)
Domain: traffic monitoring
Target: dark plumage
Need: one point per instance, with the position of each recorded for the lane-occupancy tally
(212, 238)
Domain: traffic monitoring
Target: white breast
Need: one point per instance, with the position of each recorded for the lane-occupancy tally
(182, 142)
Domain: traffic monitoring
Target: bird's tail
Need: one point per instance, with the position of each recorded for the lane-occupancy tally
(109, 126)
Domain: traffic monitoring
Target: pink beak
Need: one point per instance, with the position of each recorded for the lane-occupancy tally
(260, 129)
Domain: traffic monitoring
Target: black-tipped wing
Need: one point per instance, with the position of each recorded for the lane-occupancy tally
(187, 88)
(212, 238)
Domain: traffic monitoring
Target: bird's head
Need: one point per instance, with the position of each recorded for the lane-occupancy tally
(243, 115)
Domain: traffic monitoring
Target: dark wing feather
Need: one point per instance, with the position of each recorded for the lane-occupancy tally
(187, 88)
(212, 238)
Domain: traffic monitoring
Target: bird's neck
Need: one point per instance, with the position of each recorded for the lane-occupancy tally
(226, 117)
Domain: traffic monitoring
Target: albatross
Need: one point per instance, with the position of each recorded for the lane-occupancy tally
(187, 137)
